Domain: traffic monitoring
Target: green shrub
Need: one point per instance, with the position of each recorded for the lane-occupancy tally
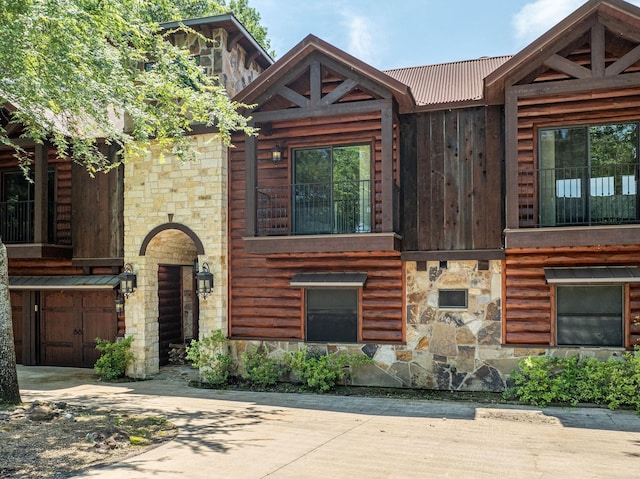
(322, 372)
(211, 356)
(115, 358)
(543, 380)
(261, 370)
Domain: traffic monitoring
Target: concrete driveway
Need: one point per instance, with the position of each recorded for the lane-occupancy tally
(225, 434)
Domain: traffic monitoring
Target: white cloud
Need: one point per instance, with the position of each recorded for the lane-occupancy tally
(538, 16)
(361, 40)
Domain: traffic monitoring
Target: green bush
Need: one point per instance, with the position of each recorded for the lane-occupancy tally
(115, 358)
(322, 372)
(211, 356)
(261, 370)
(543, 380)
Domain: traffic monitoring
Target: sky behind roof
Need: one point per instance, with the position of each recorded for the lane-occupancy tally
(390, 34)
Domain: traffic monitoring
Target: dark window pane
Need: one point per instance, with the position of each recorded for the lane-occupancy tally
(332, 315)
(589, 315)
(452, 298)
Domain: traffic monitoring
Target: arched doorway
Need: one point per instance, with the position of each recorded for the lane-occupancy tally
(171, 252)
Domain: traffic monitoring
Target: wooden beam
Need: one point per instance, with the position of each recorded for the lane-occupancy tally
(571, 86)
(387, 167)
(293, 96)
(315, 82)
(340, 91)
(232, 40)
(597, 50)
(251, 167)
(251, 57)
(511, 159)
(454, 255)
(561, 64)
(329, 110)
(624, 62)
(41, 194)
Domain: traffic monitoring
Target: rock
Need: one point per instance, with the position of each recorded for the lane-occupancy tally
(41, 413)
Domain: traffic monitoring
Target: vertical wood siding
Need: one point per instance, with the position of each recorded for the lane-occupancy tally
(452, 180)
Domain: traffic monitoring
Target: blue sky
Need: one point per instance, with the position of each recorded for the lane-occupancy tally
(400, 33)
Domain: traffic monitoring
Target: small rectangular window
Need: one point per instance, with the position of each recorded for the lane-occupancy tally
(332, 315)
(453, 298)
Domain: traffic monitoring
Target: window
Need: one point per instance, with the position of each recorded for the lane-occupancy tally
(332, 315)
(453, 298)
(332, 190)
(589, 315)
(588, 175)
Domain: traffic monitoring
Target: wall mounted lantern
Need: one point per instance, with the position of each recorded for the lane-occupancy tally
(128, 281)
(119, 304)
(276, 154)
(204, 280)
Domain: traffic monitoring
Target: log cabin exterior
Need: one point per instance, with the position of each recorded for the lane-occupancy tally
(64, 238)
(572, 251)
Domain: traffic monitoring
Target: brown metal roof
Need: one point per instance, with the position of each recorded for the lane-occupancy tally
(64, 282)
(446, 83)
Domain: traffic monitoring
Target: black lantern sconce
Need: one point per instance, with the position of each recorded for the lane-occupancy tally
(119, 305)
(128, 281)
(276, 154)
(204, 280)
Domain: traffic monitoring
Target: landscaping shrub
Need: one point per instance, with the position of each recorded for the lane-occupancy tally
(322, 372)
(543, 380)
(211, 356)
(115, 358)
(260, 369)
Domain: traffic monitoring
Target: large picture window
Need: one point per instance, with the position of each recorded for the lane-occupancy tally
(332, 190)
(589, 175)
(332, 315)
(589, 315)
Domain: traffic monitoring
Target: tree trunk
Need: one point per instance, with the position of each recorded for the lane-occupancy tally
(9, 390)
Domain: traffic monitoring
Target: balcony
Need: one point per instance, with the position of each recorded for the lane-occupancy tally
(307, 217)
(579, 196)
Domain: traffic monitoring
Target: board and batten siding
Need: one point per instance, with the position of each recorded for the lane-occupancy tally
(452, 180)
(262, 304)
(528, 299)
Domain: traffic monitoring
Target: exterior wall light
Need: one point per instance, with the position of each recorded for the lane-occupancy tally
(128, 281)
(276, 154)
(204, 280)
(119, 305)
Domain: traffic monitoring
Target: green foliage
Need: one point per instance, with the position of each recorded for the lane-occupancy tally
(73, 70)
(322, 372)
(116, 356)
(262, 370)
(211, 356)
(543, 380)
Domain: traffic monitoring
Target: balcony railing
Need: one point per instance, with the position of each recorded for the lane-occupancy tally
(17, 223)
(606, 195)
(316, 208)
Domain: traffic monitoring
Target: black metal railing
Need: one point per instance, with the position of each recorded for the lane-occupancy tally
(577, 196)
(315, 208)
(17, 223)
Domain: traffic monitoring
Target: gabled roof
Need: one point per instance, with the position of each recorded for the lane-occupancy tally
(448, 83)
(621, 16)
(312, 44)
(234, 28)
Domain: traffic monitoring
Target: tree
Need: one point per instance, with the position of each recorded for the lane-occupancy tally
(73, 72)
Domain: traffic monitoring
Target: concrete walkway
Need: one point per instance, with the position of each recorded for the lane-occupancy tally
(225, 434)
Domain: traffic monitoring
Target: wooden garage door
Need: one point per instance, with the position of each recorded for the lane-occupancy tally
(70, 321)
(169, 309)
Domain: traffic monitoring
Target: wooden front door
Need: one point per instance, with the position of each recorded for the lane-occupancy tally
(169, 309)
(16, 317)
(70, 321)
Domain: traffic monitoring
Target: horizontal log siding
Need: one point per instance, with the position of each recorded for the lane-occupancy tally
(603, 106)
(453, 196)
(262, 303)
(528, 302)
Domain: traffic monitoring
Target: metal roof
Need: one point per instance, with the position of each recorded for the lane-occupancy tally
(595, 274)
(64, 282)
(326, 280)
(448, 82)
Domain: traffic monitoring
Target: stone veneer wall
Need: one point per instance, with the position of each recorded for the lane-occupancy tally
(229, 67)
(195, 195)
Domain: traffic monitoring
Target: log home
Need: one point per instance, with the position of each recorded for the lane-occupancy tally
(572, 113)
